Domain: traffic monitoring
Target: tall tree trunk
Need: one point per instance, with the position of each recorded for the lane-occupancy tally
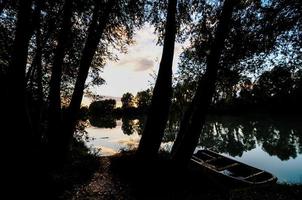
(16, 88)
(16, 116)
(54, 111)
(194, 119)
(162, 94)
(95, 32)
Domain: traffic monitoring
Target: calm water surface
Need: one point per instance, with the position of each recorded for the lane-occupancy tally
(270, 143)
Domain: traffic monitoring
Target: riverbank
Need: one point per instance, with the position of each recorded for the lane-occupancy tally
(123, 177)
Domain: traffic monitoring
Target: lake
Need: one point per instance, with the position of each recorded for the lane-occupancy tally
(272, 143)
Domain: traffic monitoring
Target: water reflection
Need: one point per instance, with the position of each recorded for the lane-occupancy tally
(131, 126)
(270, 143)
(107, 121)
(279, 137)
(233, 135)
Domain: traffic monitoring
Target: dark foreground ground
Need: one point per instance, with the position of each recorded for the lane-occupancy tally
(123, 177)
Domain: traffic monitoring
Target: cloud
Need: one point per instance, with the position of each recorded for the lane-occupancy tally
(142, 55)
(131, 73)
(136, 64)
(143, 64)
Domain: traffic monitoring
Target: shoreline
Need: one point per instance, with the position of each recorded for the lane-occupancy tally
(122, 177)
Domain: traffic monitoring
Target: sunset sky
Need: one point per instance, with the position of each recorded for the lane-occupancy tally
(132, 72)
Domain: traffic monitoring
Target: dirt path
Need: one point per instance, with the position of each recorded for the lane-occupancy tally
(103, 186)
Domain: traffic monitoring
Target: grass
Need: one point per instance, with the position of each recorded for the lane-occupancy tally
(124, 176)
(78, 170)
(159, 179)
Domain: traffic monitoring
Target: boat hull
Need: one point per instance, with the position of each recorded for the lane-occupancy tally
(228, 172)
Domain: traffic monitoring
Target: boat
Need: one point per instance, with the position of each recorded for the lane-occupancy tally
(229, 171)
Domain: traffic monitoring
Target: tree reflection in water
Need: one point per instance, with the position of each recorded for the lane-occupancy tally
(107, 121)
(130, 126)
(278, 136)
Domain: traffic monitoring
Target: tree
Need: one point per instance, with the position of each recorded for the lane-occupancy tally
(143, 100)
(194, 117)
(54, 111)
(261, 35)
(123, 18)
(274, 89)
(127, 100)
(16, 107)
(15, 98)
(45, 27)
(102, 107)
(275, 83)
(251, 38)
(42, 50)
(162, 93)
(95, 31)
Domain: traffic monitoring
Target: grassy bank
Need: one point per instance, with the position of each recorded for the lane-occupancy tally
(123, 176)
(160, 180)
(78, 170)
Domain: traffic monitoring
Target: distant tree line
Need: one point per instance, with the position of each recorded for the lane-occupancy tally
(136, 105)
(131, 105)
(276, 91)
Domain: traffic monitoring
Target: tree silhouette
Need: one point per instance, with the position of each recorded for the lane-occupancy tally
(143, 100)
(261, 36)
(162, 93)
(102, 107)
(55, 117)
(95, 31)
(194, 117)
(127, 100)
(15, 97)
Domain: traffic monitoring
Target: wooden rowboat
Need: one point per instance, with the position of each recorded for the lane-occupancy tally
(229, 170)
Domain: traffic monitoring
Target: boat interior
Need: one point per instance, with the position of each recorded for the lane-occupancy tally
(231, 167)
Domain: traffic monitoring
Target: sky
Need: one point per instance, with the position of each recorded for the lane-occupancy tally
(131, 73)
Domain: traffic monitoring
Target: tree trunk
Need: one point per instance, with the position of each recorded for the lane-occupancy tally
(188, 136)
(15, 94)
(16, 117)
(162, 94)
(95, 32)
(54, 111)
